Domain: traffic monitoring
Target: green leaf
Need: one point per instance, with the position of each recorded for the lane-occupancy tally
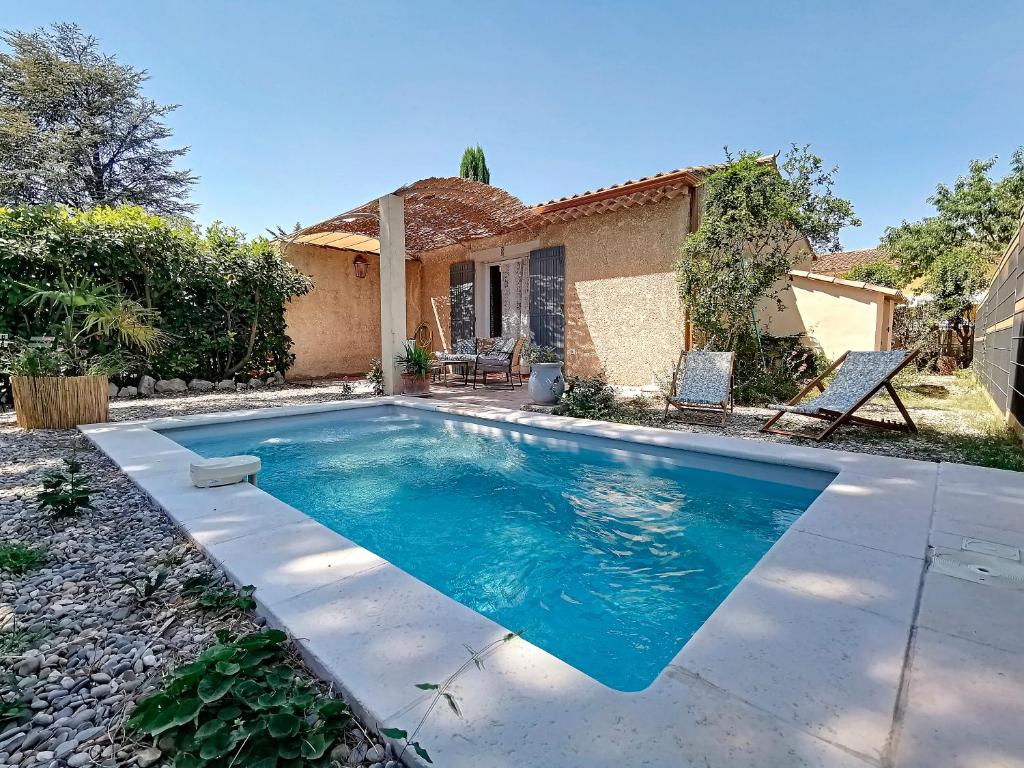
(283, 725)
(230, 712)
(427, 686)
(421, 752)
(217, 746)
(209, 729)
(214, 687)
(314, 746)
(394, 733)
(227, 667)
(186, 711)
(452, 703)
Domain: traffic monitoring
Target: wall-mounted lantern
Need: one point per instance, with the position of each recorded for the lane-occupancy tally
(360, 265)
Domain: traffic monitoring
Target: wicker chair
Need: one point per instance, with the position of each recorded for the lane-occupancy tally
(503, 358)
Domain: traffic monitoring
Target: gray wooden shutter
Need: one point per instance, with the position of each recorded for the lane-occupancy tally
(461, 294)
(547, 297)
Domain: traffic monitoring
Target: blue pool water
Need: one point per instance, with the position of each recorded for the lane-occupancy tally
(609, 555)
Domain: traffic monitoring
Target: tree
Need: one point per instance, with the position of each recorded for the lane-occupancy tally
(755, 224)
(75, 128)
(474, 165)
(882, 272)
(955, 250)
(975, 211)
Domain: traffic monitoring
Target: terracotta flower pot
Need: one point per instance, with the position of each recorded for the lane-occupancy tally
(414, 384)
(59, 402)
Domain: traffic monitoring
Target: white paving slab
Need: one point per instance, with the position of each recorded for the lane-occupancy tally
(562, 720)
(890, 513)
(837, 571)
(382, 632)
(801, 665)
(289, 561)
(965, 706)
(984, 613)
(826, 667)
(993, 498)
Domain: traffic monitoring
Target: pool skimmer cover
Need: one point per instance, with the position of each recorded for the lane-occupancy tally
(980, 568)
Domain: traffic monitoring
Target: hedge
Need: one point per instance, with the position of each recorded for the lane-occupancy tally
(220, 297)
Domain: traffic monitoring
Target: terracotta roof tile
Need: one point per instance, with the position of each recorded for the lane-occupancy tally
(838, 264)
(627, 194)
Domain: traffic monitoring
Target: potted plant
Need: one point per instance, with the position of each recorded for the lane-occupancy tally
(416, 364)
(62, 381)
(546, 383)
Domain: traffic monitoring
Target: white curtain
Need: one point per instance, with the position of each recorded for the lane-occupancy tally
(515, 299)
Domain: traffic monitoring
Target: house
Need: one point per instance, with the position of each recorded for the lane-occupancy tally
(590, 275)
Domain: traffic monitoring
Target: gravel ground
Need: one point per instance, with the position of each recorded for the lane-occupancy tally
(954, 424)
(89, 650)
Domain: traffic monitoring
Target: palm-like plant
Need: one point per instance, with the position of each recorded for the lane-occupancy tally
(90, 315)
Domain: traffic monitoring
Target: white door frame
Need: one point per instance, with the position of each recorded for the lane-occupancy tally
(483, 261)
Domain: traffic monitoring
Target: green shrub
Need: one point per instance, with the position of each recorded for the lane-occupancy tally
(219, 297)
(376, 376)
(588, 397)
(66, 492)
(239, 704)
(17, 558)
(219, 597)
(415, 360)
(775, 370)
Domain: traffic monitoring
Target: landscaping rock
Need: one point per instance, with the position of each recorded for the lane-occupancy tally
(147, 757)
(277, 379)
(128, 392)
(95, 649)
(112, 389)
(171, 385)
(200, 385)
(147, 385)
(255, 383)
(225, 385)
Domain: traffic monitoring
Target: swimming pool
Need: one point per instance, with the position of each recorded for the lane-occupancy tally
(608, 555)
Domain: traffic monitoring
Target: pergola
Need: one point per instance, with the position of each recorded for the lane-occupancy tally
(421, 217)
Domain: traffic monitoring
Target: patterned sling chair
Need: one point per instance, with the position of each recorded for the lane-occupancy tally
(860, 377)
(705, 383)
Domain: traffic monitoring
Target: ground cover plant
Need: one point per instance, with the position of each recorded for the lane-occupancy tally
(17, 558)
(239, 703)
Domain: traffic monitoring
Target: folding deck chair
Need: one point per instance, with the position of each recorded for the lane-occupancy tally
(861, 376)
(706, 383)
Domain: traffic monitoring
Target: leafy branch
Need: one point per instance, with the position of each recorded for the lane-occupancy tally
(442, 692)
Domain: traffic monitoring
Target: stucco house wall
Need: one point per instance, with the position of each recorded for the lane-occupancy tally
(622, 309)
(335, 328)
(838, 317)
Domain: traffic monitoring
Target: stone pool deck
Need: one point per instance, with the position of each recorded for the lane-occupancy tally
(841, 648)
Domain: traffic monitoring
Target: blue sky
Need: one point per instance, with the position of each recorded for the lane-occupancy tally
(295, 111)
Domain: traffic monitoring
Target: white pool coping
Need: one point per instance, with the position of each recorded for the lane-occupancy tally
(802, 664)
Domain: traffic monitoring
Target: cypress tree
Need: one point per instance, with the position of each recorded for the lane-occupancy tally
(474, 165)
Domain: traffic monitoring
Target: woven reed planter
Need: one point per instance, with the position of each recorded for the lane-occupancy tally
(59, 402)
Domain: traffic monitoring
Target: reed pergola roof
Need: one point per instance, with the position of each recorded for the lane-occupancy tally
(438, 212)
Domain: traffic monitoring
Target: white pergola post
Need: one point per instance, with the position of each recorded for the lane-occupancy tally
(392, 288)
